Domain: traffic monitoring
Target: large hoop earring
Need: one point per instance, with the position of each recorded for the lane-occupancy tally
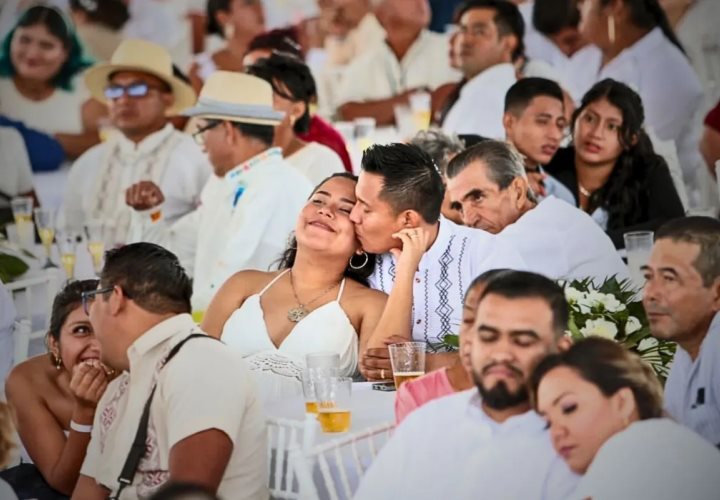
(352, 266)
(611, 29)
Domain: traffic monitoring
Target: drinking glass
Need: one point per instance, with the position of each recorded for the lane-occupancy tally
(407, 360)
(45, 222)
(96, 238)
(333, 403)
(22, 209)
(67, 244)
(318, 366)
(420, 106)
(638, 245)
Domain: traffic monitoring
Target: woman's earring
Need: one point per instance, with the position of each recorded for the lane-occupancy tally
(56, 360)
(611, 29)
(355, 267)
(229, 31)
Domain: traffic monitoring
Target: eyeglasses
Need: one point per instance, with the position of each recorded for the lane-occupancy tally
(135, 90)
(89, 295)
(199, 136)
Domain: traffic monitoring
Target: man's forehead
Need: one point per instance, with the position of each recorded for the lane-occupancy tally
(677, 254)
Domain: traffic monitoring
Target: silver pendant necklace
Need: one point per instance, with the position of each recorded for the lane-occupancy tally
(297, 313)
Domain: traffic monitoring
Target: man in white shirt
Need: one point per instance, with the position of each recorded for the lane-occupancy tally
(411, 58)
(16, 179)
(682, 300)
(249, 207)
(140, 91)
(488, 183)
(206, 425)
(485, 442)
(535, 124)
(400, 189)
(491, 38)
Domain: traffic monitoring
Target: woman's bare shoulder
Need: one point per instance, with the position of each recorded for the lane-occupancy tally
(364, 296)
(28, 378)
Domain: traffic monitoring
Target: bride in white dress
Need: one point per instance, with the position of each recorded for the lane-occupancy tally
(317, 302)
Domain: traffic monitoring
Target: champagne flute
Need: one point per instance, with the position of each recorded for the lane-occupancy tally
(45, 222)
(95, 230)
(67, 243)
(22, 210)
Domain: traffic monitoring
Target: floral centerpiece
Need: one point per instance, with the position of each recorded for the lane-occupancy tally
(614, 311)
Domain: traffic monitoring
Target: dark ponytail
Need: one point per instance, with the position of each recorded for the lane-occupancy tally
(360, 275)
(625, 194)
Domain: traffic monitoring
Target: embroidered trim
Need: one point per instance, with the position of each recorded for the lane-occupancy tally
(240, 170)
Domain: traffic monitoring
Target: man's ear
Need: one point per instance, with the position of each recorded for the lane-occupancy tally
(118, 301)
(715, 288)
(509, 121)
(510, 44)
(564, 343)
(518, 190)
(411, 219)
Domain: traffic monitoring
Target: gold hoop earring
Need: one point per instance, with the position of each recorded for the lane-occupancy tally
(611, 29)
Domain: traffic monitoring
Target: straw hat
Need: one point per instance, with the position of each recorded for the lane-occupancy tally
(145, 57)
(236, 97)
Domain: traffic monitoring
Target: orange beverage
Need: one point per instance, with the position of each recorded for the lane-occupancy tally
(402, 377)
(334, 420)
(311, 407)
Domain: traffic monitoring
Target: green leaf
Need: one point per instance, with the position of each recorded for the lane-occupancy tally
(11, 267)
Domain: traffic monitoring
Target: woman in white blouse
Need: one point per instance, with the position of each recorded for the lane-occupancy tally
(603, 405)
(41, 60)
(293, 90)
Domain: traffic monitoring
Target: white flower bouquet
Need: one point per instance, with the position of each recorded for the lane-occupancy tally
(613, 311)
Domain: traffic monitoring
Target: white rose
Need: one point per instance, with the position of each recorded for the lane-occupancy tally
(599, 328)
(611, 304)
(647, 343)
(573, 295)
(594, 298)
(632, 325)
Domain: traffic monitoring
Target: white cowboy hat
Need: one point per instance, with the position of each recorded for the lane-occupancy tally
(144, 57)
(236, 97)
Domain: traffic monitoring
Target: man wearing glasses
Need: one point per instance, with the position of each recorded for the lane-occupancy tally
(249, 207)
(141, 93)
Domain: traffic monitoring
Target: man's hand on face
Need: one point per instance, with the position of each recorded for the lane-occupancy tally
(144, 195)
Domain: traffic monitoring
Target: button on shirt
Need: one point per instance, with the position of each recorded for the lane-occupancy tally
(377, 74)
(451, 449)
(205, 386)
(692, 390)
(458, 255)
(561, 241)
(481, 105)
(671, 92)
(243, 222)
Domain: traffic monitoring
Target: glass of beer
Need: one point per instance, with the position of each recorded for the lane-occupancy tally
(318, 366)
(45, 223)
(407, 360)
(22, 210)
(67, 243)
(333, 403)
(96, 238)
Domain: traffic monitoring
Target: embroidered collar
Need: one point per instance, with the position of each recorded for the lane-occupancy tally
(158, 334)
(148, 145)
(234, 178)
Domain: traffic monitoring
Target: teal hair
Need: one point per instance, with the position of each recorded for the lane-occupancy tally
(60, 27)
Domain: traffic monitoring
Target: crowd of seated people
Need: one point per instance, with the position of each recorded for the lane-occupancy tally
(250, 228)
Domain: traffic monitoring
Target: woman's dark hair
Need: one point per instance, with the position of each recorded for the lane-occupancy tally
(213, 7)
(112, 14)
(648, 14)
(283, 40)
(610, 367)
(60, 27)
(65, 302)
(284, 70)
(361, 275)
(625, 194)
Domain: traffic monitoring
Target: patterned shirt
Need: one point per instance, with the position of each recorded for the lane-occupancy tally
(458, 255)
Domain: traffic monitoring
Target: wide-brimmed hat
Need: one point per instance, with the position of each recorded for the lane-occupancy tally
(144, 57)
(236, 97)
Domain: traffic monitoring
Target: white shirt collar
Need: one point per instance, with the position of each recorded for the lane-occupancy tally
(157, 335)
(147, 145)
(528, 421)
(445, 232)
(498, 73)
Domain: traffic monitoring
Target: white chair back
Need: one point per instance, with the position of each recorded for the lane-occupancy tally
(333, 470)
(33, 299)
(284, 435)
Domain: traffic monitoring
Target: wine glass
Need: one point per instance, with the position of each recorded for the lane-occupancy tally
(45, 222)
(22, 207)
(67, 243)
(95, 230)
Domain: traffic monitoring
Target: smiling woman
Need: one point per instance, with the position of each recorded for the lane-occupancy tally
(40, 60)
(54, 397)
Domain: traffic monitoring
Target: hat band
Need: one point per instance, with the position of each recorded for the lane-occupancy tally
(260, 111)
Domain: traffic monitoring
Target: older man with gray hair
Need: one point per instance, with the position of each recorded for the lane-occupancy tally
(488, 185)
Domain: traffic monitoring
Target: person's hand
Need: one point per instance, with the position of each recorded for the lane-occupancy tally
(414, 245)
(375, 363)
(144, 195)
(536, 179)
(88, 383)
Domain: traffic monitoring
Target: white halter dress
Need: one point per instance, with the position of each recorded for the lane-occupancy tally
(278, 369)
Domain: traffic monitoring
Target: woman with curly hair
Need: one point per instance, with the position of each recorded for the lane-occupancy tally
(41, 60)
(611, 168)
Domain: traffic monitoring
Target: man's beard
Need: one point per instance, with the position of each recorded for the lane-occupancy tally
(499, 396)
